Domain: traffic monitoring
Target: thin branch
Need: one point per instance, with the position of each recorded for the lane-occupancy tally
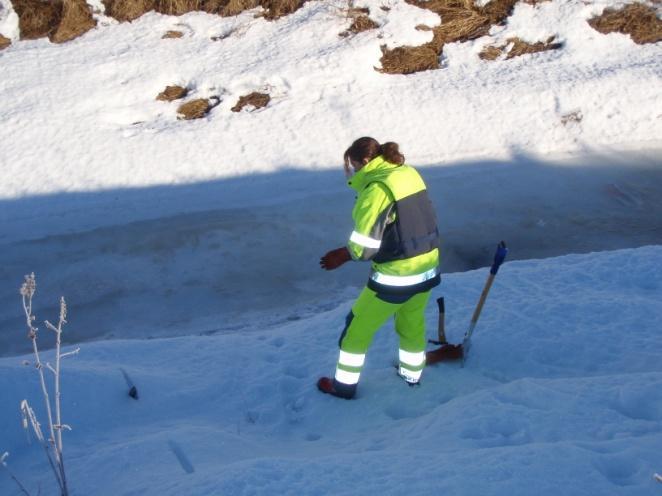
(11, 474)
(28, 414)
(69, 353)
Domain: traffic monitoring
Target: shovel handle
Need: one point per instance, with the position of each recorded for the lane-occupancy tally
(499, 258)
(441, 328)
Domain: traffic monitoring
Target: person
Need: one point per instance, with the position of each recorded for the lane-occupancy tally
(395, 227)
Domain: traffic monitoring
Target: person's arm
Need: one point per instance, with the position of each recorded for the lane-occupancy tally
(373, 211)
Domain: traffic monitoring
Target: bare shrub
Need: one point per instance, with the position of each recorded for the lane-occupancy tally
(76, 20)
(169, 35)
(194, 109)
(171, 93)
(515, 47)
(638, 20)
(255, 99)
(37, 19)
(461, 21)
(4, 42)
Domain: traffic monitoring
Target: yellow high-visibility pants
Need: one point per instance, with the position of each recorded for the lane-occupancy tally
(368, 314)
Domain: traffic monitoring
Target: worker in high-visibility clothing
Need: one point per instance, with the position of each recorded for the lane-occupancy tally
(395, 228)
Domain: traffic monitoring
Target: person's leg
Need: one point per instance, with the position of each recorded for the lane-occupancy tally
(410, 326)
(368, 314)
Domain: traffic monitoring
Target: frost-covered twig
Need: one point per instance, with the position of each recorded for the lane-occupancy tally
(3, 462)
(55, 427)
(30, 418)
(28, 290)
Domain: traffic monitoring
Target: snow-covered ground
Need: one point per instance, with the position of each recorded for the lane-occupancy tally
(560, 396)
(204, 237)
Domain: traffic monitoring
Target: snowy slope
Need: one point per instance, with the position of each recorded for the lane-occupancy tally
(210, 230)
(561, 394)
(153, 226)
(82, 116)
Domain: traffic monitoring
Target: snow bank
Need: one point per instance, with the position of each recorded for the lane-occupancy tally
(561, 393)
(83, 116)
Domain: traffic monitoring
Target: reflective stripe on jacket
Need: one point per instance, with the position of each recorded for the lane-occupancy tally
(395, 227)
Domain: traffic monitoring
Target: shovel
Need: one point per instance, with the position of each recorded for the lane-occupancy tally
(449, 352)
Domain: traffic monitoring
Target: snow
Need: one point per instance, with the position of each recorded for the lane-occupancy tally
(8, 20)
(187, 251)
(106, 130)
(561, 392)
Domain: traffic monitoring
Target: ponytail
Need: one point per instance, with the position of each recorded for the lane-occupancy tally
(391, 153)
(369, 148)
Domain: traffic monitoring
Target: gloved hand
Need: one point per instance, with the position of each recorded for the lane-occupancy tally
(335, 258)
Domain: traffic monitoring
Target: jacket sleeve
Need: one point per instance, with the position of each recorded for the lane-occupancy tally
(373, 211)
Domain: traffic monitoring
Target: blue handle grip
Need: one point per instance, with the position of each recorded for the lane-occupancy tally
(499, 257)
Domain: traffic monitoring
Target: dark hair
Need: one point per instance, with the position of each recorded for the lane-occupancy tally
(369, 148)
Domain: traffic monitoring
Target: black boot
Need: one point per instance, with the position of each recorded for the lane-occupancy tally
(335, 388)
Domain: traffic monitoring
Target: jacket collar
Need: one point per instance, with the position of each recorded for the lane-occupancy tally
(359, 180)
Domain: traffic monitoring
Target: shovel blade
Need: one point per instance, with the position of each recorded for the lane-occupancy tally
(447, 353)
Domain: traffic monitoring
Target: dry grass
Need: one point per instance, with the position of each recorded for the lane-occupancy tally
(360, 24)
(408, 59)
(638, 20)
(491, 52)
(236, 7)
(461, 21)
(170, 35)
(279, 8)
(36, 18)
(171, 93)
(255, 99)
(521, 47)
(178, 7)
(128, 10)
(4, 42)
(195, 109)
(516, 47)
(76, 20)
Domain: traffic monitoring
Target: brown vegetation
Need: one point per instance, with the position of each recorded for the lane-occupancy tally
(171, 93)
(408, 59)
(128, 10)
(516, 47)
(195, 109)
(76, 20)
(36, 18)
(255, 99)
(4, 42)
(638, 20)
(461, 21)
(362, 23)
(172, 35)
